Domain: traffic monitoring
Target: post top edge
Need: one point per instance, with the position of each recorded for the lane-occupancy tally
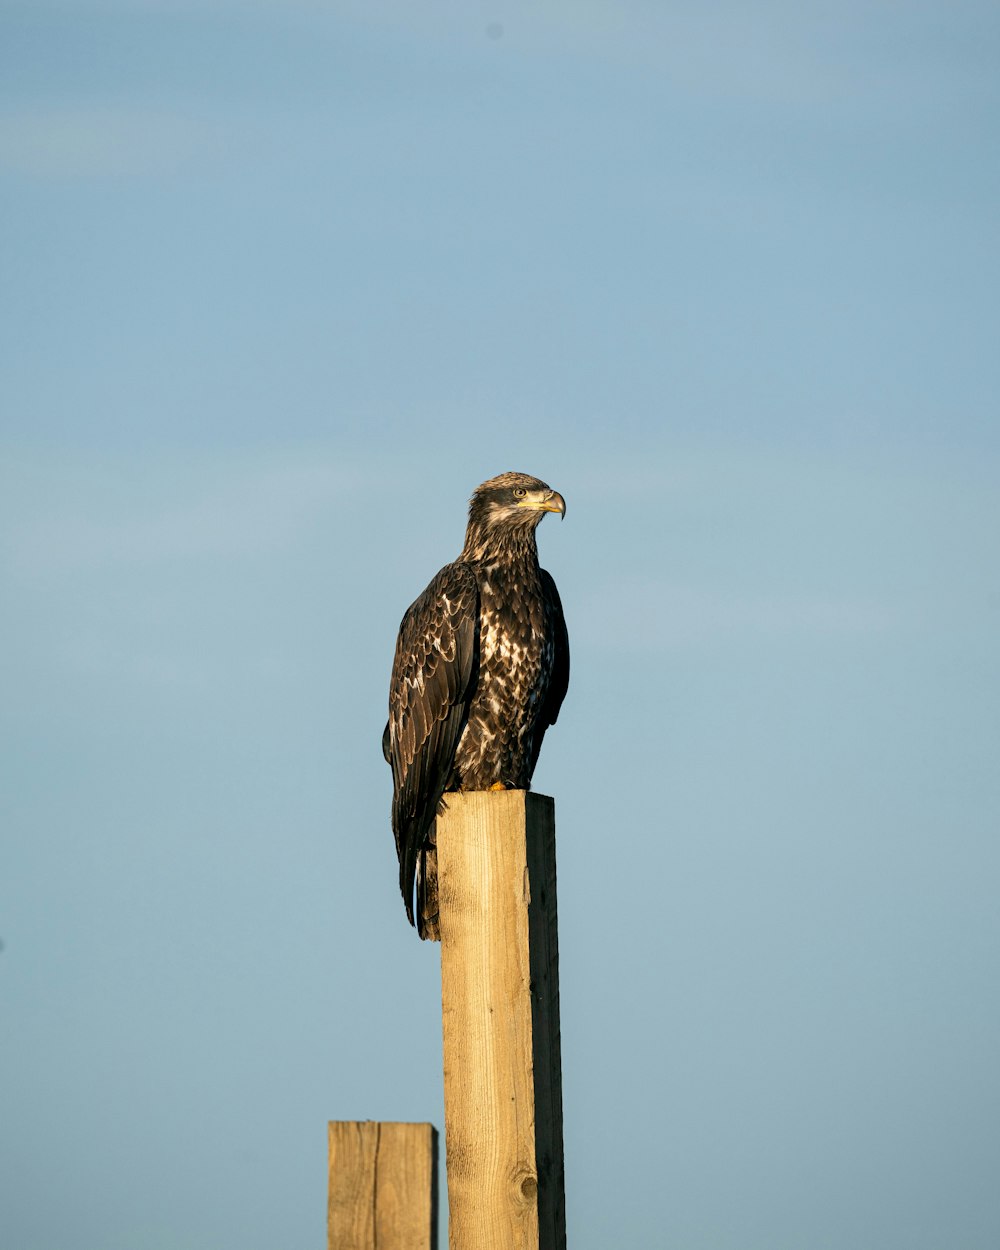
(455, 799)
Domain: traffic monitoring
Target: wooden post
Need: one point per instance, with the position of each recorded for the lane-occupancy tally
(383, 1186)
(500, 1001)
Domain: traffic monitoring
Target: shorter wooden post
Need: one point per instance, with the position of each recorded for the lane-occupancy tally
(383, 1186)
(500, 999)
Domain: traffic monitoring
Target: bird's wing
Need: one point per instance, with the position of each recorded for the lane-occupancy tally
(437, 655)
(559, 681)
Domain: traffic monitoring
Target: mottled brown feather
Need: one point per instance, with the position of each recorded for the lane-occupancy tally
(431, 676)
(480, 672)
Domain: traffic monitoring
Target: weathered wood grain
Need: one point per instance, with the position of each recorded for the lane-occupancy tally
(383, 1186)
(500, 1013)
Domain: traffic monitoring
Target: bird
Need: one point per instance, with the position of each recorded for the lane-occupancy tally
(480, 672)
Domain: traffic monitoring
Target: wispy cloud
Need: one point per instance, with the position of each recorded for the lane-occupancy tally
(778, 55)
(93, 141)
(107, 516)
(172, 577)
(642, 614)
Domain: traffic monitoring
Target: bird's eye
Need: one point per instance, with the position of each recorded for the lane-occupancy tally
(520, 492)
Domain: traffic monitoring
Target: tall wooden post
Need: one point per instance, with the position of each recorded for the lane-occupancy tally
(383, 1186)
(500, 1000)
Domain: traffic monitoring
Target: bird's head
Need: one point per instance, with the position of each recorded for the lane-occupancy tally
(515, 502)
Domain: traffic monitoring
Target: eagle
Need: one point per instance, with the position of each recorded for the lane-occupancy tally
(480, 672)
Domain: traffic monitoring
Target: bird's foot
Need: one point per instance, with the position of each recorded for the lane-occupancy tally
(498, 785)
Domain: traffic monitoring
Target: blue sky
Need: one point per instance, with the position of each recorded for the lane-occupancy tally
(281, 285)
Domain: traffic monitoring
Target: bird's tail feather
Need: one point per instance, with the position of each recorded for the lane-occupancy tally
(418, 874)
(427, 892)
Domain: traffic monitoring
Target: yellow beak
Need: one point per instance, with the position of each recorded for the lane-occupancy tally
(545, 500)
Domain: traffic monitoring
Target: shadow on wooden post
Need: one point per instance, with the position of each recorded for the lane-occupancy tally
(500, 1013)
(383, 1186)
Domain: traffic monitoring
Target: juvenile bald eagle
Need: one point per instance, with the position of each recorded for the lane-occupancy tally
(481, 668)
